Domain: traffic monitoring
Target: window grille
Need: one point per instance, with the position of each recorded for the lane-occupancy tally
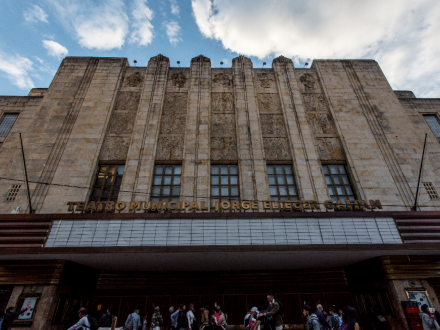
(434, 124)
(224, 183)
(431, 190)
(338, 183)
(282, 183)
(12, 193)
(108, 183)
(6, 123)
(166, 183)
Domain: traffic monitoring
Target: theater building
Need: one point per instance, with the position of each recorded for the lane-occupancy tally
(159, 185)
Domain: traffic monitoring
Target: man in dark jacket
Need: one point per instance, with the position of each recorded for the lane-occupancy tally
(273, 312)
(106, 319)
(182, 320)
(10, 317)
(321, 317)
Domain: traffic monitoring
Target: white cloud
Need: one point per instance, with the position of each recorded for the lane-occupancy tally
(142, 28)
(101, 26)
(55, 49)
(35, 14)
(175, 9)
(17, 69)
(172, 28)
(402, 35)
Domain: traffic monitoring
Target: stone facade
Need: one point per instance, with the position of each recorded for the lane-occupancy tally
(101, 111)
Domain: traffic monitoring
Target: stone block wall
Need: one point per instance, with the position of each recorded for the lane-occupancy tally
(100, 110)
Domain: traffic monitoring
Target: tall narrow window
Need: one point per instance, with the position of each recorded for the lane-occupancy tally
(434, 124)
(166, 183)
(224, 183)
(6, 123)
(282, 183)
(338, 183)
(108, 183)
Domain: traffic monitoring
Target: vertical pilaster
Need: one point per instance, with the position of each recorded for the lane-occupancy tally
(141, 156)
(306, 163)
(253, 177)
(195, 176)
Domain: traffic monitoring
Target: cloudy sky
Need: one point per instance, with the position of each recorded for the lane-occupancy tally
(402, 35)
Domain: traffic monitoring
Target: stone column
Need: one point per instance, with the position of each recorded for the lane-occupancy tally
(254, 183)
(195, 174)
(306, 163)
(141, 156)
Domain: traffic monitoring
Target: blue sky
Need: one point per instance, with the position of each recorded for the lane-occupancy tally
(402, 35)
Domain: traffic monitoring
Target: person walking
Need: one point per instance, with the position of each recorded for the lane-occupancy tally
(321, 317)
(174, 318)
(312, 319)
(191, 317)
(156, 319)
(349, 319)
(273, 311)
(204, 316)
(182, 320)
(169, 324)
(334, 319)
(428, 319)
(222, 319)
(133, 320)
(145, 322)
(106, 319)
(83, 322)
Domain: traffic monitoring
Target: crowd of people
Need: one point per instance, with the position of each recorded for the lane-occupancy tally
(187, 318)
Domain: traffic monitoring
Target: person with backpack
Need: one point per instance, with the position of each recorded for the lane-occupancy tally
(156, 319)
(334, 318)
(274, 312)
(312, 319)
(106, 319)
(133, 320)
(86, 322)
(222, 319)
(321, 317)
(182, 320)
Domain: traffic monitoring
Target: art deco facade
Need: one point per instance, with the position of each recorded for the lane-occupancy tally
(240, 179)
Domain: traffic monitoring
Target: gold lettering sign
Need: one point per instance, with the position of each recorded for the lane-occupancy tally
(183, 206)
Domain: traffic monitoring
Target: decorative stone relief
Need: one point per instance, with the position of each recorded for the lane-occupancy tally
(329, 149)
(172, 123)
(223, 125)
(169, 148)
(321, 123)
(308, 81)
(128, 101)
(200, 58)
(267, 80)
(175, 102)
(321, 146)
(122, 122)
(115, 148)
(223, 148)
(272, 125)
(315, 102)
(178, 79)
(269, 103)
(335, 148)
(222, 103)
(276, 148)
(134, 80)
(222, 80)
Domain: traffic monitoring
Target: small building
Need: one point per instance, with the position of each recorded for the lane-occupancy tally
(160, 185)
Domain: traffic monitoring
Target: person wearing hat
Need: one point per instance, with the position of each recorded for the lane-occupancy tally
(254, 324)
(83, 322)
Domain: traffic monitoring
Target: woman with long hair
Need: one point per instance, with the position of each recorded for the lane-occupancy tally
(349, 319)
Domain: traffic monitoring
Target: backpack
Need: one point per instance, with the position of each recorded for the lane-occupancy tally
(129, 324)
(281, 310)
(185, 322)
(94, 325)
